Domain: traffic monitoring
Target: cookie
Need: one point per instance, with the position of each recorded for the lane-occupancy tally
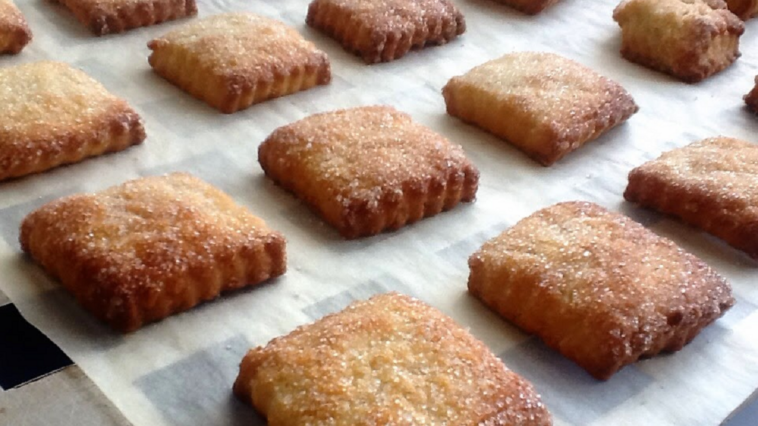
(151, 247)
(54, 114)
(532, 7)
(688, 39)
(542, 103)
(711, 184)
(744, 9)
(370, 169)
(596, 286)
(390, 360)
(751, 99)
(14, 31)
(234, 60)
(115, 16)
(385, 30)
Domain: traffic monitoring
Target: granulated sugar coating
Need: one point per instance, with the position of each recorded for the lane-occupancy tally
(531, 7)
(14, 30)
(234, 60)
(391, 360)
(53, 114)
(597, 286)
(712, 184)
(239, 44)
(542, 103)
(382, 31)
(368, 169)
(689, 39)
(115, 16)
(149, 248)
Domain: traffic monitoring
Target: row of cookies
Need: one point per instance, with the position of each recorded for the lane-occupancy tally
(390, 35)
(232, 61)
(58, 115)
(73, 117)
(371, 169)
(594, 285)
(744, 9)
(700, 37)
(100, 17)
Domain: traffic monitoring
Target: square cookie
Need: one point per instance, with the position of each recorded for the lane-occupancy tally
(688, 39)
(151, 247)
(368, 169)
(53, 114)
(744, 9)
(596, 286)
(542, 103)
(385, 30)
(751, 99)
(234, 60)
(115, 16)
(712, 184)
(532, 7)
(390, 360)
(14, 31)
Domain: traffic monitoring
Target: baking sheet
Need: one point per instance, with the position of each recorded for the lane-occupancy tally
(180, 371)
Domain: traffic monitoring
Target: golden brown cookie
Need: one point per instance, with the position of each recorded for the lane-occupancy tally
(751, 99)
(53, 114)
(14, 31)
(688, 39)
(369, 169)
(596, 286)
(531, 7)
(115, 16)
(745, 9)
(151, 247)
(385, 30)
(712, 184)
(544, 104)
(390, 360)
(234, 60)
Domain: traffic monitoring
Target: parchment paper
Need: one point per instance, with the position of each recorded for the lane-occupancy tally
(180, 371)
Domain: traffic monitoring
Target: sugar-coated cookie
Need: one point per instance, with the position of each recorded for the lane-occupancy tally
(234, 60)
(712, 184)
(53, 114)
(688, 39)
(115, 16)
(542, 103)
(385, 30)
(596, 286)
(151, 247)
(390, 360)
(14, 30)
(368, 169)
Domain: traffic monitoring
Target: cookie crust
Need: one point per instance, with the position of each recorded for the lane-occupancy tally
(14, 30)
(711, 184)
(404, 361)
(151, 247)
(596, 286)
(688, 39)
(115, 16)
(234, 60)
(751, 99)
(54, 114)
(744, 9)
(545, 105)
(531, 7)
(382, 31)
(369, 169)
